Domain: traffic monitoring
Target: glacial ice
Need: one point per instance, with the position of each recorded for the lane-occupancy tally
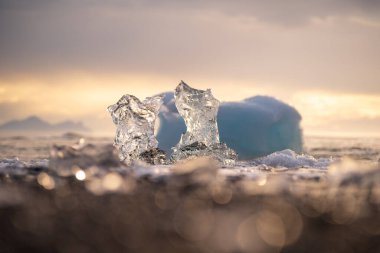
(16, 167)
(135, 121)
(254, 127)
(259, 126)
(199, 109)
(289, 159)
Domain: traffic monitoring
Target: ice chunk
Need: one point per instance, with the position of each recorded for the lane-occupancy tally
(253, 127)
(218, 151)
(259, 126)
(135, 121)
(289, 159)
(199, 109)
(16, 167)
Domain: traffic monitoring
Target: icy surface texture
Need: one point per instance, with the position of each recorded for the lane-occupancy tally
(65, 159)
(289, 159)
(16, 167)
(254, 127)
(135, 121)
(199, 109)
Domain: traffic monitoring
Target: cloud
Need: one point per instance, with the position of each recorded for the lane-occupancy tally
(244, 46)
(190, 41)
(282, 45)
(291, 11)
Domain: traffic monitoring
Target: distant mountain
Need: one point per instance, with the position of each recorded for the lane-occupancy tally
(36, 124)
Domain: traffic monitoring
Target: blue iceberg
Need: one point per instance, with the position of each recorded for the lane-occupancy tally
(254, 127)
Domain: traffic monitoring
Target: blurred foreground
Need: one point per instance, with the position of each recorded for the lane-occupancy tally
(83, 200)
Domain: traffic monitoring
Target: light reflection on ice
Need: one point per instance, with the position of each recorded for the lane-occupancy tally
(257, 206)
(91, 160)
(80, 175)
(100, 167)
(46, 181)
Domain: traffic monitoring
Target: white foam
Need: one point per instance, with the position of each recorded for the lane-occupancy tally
(289, 159)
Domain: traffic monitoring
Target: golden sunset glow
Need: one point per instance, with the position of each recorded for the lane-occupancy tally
(70, 60)
(85, 97)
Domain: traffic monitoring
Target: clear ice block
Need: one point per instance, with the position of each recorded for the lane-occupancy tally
(199, 109)
(135, 121)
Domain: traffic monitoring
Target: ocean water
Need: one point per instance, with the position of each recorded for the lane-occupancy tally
(28, 148)
(364, 149)
(31, 148)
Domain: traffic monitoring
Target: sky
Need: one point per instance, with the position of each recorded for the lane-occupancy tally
(70, 59)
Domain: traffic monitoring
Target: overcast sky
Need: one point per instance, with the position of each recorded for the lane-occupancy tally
(71, 59)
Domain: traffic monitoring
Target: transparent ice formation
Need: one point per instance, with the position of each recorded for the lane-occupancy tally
(242, 125)
(199, 109)
(135, 121)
